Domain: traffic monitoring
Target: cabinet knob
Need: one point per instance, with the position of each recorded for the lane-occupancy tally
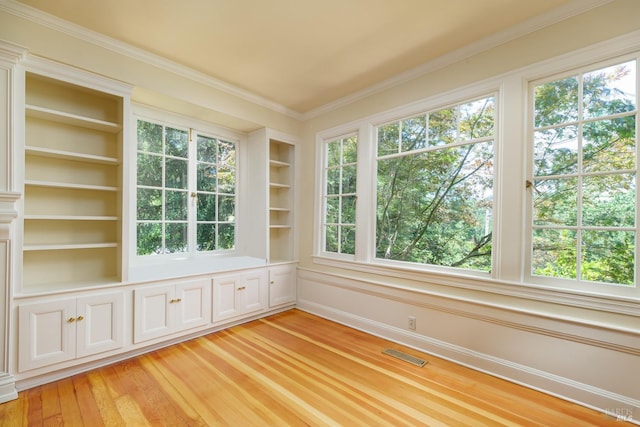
(272, 282)
(71, 319)
(178, 299)
(79, 318)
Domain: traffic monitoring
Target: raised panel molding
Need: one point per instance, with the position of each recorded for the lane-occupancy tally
(583, 363)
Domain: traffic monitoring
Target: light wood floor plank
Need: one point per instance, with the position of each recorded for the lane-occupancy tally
(290, 369)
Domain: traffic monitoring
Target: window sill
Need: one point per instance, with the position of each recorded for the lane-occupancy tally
(162, 268)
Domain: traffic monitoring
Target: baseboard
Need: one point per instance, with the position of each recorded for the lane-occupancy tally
(617, 406)
(8, 389)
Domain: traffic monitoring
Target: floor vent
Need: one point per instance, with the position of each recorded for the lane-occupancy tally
(406, 357)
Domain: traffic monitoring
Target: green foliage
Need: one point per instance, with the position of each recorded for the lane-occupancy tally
(584, 199)
(434, 201)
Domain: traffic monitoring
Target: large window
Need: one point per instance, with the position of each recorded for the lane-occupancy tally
(186, 190)
(584, 171)
(339, 228)
(435, 187)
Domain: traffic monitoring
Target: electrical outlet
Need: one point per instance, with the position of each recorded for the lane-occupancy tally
(412, 323)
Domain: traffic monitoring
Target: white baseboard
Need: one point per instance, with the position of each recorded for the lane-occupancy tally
(617, 406)
(7, 388)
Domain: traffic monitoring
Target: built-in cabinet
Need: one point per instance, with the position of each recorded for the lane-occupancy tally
(57, 330)
(71, 297)
(161, 310)
(282, 285)
(72, 222)
(239, 294)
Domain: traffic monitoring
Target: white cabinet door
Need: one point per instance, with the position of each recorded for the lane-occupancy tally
(153, 312)
(193, 304)
(254, 292)
(54, 331)
(282, 285)
(99, 323)
(239, 294)
(225, 296)
(166, 309)
(47, 333)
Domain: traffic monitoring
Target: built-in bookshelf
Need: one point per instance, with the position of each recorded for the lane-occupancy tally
(72, 223)
(281, 200)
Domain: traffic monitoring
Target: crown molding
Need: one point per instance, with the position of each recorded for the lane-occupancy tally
(573, 8)
(47, 20)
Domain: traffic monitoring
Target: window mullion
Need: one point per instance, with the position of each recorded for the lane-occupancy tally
(192, 191)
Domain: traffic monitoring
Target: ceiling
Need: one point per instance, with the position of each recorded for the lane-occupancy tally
(303, 54)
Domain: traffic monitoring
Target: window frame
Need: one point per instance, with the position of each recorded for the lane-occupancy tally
(194, 127)
(554, 74)
(510, 196)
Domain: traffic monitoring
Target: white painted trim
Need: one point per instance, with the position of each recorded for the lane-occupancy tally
(7, 388)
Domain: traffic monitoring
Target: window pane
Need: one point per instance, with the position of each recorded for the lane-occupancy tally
(149, 137)
(176, 205)
(149, 204)
(388, 139)
(609, 145)
(348, 211)
(206, 239)
(349, 179)
(226, 180)
(554, 253)
(555, 202)
(608, 256)
(333, 181)
(149, 170)
(176, 173)
(331, 238)
(226, 236)
(609, 200)
(176, 237)
(207, 149)
(333, 210)
(333, 153)
(556, 102)
(226, 154)
(149, 238)
(206, 207)
(348, 240)
(611, 90)
(206, 180)
(414, 133)
(476, 119)
(556, 151)
(226, 210)
(349, 150)
(177, 142)
(435, 207)
(443, 127)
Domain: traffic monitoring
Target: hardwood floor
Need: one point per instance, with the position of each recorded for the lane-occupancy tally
(288, 369)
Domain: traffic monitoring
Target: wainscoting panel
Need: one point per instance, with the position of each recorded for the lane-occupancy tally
(593, 365)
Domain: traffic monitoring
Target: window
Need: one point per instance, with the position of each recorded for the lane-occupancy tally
(435, 187)
(185, 193)
(583, 185)
(339, 200)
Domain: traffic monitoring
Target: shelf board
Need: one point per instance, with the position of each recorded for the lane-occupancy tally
(71, 119)
(279, 226)
(46, 288)
(279, 164)
(278, 185)
(69, 246)
(70, 155)
(274, 209)
(69, 185)
(72, 217)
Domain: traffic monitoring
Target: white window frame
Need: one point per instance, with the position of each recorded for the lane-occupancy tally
(510, 196)
(164, 118)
